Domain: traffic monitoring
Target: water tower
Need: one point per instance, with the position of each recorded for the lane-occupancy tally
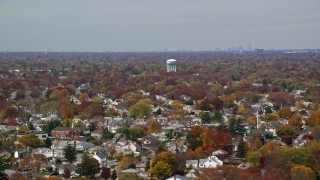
(171, 65)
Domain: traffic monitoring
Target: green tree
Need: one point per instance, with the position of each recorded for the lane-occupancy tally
(4, 163)
(253, 157)
(235, 127)
(206, 117)
(242, 149)
(141, 109)
(301, 156)
(88, 166)
(48, 142)
(135, 133)
(70, 153)
(107, 134)
(217, 117)
(30, 126)
(159, 111)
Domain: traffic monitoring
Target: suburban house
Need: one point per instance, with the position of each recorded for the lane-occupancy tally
(41, 135)
(210, 162)
(191, 163)
(101, 158)
(65, 132)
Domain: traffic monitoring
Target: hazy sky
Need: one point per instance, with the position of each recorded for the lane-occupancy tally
(147, 25)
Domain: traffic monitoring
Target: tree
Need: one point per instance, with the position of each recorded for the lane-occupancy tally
(70, 153)
(114, 174)
(127, 176)
(235, 127)
(253, 157)
(125, 162)
(48, 142)
(31, 140)
(30, 126)
(194, 138)
(66, 173)
(23, 129)
(316, 133)
(159, 111)
(242, 149)
(107, 134)
(285, 112)
(4, 163)
(154, 127)
(302, 172)
(217, 117)
(286, 130)
(105, 172)
(88, 166)
(301, 156)
(135, 132)
(206, 117)
(66, 111)
(165, 157)
(161, 170)
(296, 121)
(314, 119)
(141, 109)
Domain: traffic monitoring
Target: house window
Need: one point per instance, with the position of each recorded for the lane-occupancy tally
(44, 136)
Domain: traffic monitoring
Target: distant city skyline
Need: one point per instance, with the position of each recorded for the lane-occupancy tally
(158, 25)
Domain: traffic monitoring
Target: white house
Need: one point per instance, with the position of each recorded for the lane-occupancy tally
(210, 162)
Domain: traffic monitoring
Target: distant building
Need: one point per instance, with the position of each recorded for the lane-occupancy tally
(171, 65)
(65, 132)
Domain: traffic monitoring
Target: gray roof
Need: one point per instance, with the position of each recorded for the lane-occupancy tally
(191, 161)
(202, 161)
(130, 171)
(101, 156)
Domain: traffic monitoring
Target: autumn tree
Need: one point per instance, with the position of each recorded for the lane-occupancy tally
(141, 109)
(154, 127)
(66, 111)
(23, 129)
(31, 140)
(66, 173)
(163, 164)
(160, 170)
(125, 176)
(285, 112)
(299, 172)
(286, 130)
(253, 157)
(105, 172)
(125, 162)
(314, 119)
(296, 121)
(194, 137)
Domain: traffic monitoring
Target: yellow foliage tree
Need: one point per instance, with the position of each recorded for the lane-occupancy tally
(252, 120)
(23, 129)
(299, 172)
(154, 126)
(125, 162)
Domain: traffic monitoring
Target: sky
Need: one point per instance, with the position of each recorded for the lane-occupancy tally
(158, 25)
